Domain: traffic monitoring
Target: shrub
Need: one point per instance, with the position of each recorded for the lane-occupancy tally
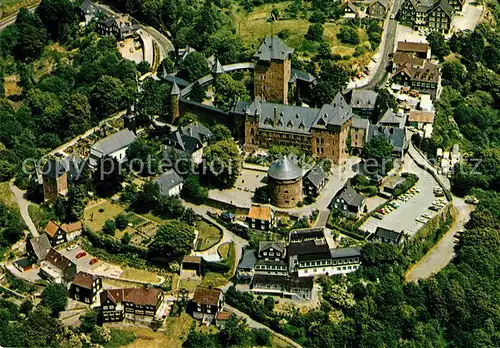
(121, 222)
(315, 32)
(284, 34)
(348, 35)
(109, 227)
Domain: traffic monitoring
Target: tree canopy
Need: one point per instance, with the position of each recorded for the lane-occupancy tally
(174, 238)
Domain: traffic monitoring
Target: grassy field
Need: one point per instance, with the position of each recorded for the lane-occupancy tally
(189, 284)
(214, 280)
(223, 250)
(253, 26)
(208, 235)
(139, 274)
(38, 214)
(96, 215)
(7, 197)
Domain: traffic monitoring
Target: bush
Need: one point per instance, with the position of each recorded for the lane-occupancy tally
(348, 35)
(121, 222)
(109, 228)
(284, 34)
(410, 180)
(315, 32)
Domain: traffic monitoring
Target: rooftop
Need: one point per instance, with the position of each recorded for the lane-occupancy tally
(113, 143)
(273, 48)
(168, 181)
(60, 261)
(351, 197)
(363, 99)
(84, 280)
(41, 246)
(387, 234)
(248, 260)
(260, 212)
(316, 175)
(51, 228)
(421, 116)
(420, 47)
(395, 136)
(207, 296)
(284, 169)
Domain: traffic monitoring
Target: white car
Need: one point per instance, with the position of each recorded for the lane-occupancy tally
(426, 216)
(393, 16)
(419, 219)
(72, 247)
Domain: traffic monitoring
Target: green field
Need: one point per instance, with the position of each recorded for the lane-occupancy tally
(208, 235)
(7, 197)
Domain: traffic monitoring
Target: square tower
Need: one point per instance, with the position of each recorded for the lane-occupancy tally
(272, 70)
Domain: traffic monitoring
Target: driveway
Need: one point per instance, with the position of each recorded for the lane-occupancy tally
(443, 252)
(23, 207)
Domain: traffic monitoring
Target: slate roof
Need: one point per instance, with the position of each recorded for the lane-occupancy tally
(172, 78)
(306, 234)
(387, 234)
(338, 253)
(336, 113)
(301, 75)
(389, 118)
(363, 99)
(446, 6)
(427, 73)
(113, 143)
(360, 123)
(188, 137)
(284, 169)
(384, 3)
(84, 280)
(206, 296)
(168, 181)
(53, 169)
(351, 197)
(286, 282)
(396, 136)
(324, 255)
(277, 246)
(41, 246)
(316, 176)
(273, 48)
(217, 68)
(248, 260)
(420, 47)
(271, 263)
(260, 212)
(175, 89)
(307, 247)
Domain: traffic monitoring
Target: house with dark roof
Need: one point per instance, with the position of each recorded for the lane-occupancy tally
(420, 50)
(359, 134)
(363, 102)
(188, 140)
(191, 263)
(349, 10)
(385, 235)
(395, 136)
(305, 247)
(261, 217)
(58, 234)
(291, 287)
(425, 79)
(85, 287)
(38, 247)
(391, 119)
(246, 267)
(88, 11)
(304, 234)
(433, 15)
(314, 181)
(335, 261)
(408, 59)
(349, 202)
(57, 268)
(271, 259)
(138, 305)
(378, 9)
(207, 303)
(170, 183)
(114, 146)
(121, 27)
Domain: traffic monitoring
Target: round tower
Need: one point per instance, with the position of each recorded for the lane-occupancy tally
(284, 180)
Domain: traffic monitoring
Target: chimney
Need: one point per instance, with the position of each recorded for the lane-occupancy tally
(275, 116)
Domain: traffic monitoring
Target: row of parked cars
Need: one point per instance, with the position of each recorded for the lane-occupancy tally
(393, 205)
(437, 205)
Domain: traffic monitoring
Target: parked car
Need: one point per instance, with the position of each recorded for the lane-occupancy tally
(471, 200)
(381, 211)
(434, 207)
(421, 220)
(81, 254)
(94, 260)
(72, 247)
(378, 216)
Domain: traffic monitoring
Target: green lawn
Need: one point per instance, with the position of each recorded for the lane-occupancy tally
(208, 235)
(189, 284)
(96, 215)
(7, 197)
(214, 280)
(39, 214)
(223, 250)
(138, 274)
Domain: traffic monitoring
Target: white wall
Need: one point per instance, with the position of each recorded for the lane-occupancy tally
(312, 271)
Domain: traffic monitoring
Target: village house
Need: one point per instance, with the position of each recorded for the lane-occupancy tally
(349, 202)
(207, 303)
(271, 259)
(261, 217)
(385, 235)
(191, 263)
(59, 234)
(395, 136)
(335, 261)
(121, 27)
(57, 268)
(291, 287)
(88, 11)
(170, 183)
(314, 181)
(363, 102)
(391, 119)
(417, 49)
(304, 234)
(85, 287)
(37, 248)
(422, 120)
(435, 15)
(114, 146)
(139, 305)
(349, 10)
(246, 268)
(425, 79)
(189, 141)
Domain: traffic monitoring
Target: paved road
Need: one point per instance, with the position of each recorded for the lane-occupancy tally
(443, 252)
(256, 325)
(23, 207)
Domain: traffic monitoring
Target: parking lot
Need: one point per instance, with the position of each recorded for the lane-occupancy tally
(403, 218)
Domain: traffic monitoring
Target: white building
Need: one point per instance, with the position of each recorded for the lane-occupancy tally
(335, 261)
(114, 146)
(170, 183)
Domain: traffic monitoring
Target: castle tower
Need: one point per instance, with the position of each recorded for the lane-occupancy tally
(284, 179)
(272, 70)
(175, 95)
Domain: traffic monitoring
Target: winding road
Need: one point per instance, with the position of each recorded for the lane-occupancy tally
(23, 207)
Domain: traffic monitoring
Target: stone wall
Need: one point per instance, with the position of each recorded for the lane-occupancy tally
(271, 80)
(331, 143)
(285, 194)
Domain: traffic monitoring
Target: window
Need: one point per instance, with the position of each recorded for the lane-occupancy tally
(77, 289)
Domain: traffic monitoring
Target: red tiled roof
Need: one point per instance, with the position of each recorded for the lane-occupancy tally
(84, 280)
(138, 296)
(260, 213)
(72, 227)
(207, 296)
(412, 46)
(51, 228)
